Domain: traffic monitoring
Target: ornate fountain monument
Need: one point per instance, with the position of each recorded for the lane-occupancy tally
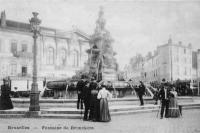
(102, 62)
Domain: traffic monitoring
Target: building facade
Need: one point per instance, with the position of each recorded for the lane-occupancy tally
(59, 53)
(198, 71)
(172, 61)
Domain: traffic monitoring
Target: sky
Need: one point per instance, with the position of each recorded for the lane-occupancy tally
(137, 26)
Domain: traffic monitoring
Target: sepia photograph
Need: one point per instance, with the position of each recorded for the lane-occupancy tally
(93, 66)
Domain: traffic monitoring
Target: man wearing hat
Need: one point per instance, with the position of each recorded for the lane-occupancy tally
(86, 99)
(79, 87)
(94, 102)
(164, 94)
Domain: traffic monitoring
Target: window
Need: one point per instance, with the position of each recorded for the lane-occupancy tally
(75, 58)
(0, 46)
(50, 56)
(24, 47)
(63, 57)
(14, 47)
(13, 69)
(184, 51)
(185, 71)
(32, 48)
(177, 70)
(24, 71)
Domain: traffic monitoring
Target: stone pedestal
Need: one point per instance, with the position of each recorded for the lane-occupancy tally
(34, 101)
(33, 114)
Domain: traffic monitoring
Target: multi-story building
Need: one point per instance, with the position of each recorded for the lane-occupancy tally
(134, 70)
(175, 61)
(198, 70)
(170, 61)
(59, 55)
(151, 68)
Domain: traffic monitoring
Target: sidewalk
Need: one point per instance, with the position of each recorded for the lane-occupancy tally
(73, 113)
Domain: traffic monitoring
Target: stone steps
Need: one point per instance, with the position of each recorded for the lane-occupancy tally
(71, 103)
(51, 108)
(62, 116)
(133, 111)
(12, 116)
(76, 114)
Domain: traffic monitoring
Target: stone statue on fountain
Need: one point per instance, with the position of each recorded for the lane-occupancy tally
(102, 61)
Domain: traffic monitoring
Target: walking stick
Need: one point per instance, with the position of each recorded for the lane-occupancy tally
(159, 109)
(81, 108)
(81, 113)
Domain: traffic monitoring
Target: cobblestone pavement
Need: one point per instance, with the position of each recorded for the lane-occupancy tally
(135, 123)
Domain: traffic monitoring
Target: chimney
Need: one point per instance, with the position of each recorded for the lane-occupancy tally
(170, 40)
(3, 19)
(190, 45)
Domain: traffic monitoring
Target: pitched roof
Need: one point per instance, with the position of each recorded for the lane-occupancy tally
(25, 27)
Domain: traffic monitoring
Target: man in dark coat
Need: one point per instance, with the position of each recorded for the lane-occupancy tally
(86, 99)
(141, 92)
(79, 88)
(94, 102)
(6, 102)
(164, 95)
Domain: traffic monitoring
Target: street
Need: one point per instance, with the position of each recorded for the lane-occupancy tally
(136, 123)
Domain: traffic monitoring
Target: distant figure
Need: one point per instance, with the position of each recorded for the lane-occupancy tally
(94, 102)
(141, 92)
(173, 104)
(155, 96)
(6, 102)
(103, 95)
(164, 95)
(86, 99)
(79, 88)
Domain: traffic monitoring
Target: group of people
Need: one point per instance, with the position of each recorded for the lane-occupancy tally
(169, 104)
(167, 95)
(95, 97)
(95, 100)
(5, 100)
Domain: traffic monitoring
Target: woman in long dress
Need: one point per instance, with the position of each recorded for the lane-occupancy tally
(6, 102)
(94, 102)
(103, 95)
(173, 104)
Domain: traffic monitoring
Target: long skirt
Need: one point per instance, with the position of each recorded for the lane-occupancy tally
(173, 108)
(94, 108)
(104, 110)
(6, 103)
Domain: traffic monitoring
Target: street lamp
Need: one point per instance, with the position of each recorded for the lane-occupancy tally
(34, 95)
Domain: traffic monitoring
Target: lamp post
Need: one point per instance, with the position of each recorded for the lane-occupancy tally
(34, 95)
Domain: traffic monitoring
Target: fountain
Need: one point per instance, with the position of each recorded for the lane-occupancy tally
(102, 62)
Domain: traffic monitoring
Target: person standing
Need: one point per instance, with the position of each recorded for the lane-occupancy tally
(173, 104)
(79, 88)
(164, 95)
(86, 99)
(94, 102)
(141, 92)
(6, 102)
(155, 96)
(103, 95)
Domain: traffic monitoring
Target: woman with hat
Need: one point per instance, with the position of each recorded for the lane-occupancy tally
(173, 104)
(6, 102)
(94, 102)
(103, 95)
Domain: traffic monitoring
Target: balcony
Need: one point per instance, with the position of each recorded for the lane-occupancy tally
(21, 54)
